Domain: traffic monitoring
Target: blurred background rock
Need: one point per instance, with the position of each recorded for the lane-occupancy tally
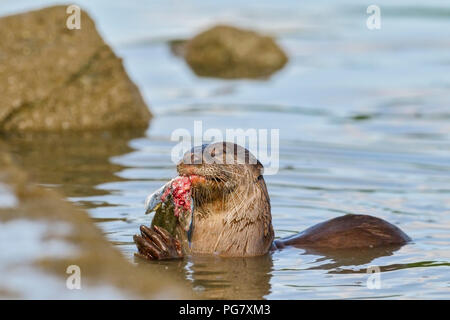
(229, 52)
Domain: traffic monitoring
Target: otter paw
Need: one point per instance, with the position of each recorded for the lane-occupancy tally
(156, 243)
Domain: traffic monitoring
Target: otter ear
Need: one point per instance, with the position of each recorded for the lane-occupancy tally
(258, 169)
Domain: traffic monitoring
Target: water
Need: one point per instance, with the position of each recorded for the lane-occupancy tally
(364, 119)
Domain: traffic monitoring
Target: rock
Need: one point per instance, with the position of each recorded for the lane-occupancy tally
(229, 52)
(41, 236)
(53, 78)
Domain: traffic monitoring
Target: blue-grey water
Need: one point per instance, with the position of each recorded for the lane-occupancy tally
(364, 119)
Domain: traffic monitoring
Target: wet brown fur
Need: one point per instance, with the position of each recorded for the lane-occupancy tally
(232, 208)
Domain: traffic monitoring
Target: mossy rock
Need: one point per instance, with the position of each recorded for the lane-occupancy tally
(53, 78)
(229, 52)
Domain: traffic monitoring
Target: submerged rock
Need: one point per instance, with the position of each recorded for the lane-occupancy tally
(229, 52)
(43, 239)
(53, 78)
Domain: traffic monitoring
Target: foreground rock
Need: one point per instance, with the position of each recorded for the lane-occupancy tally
(42, 235)
(229, 52)
(53, 78)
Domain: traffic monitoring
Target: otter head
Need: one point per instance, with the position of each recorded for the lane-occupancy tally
(222, 174)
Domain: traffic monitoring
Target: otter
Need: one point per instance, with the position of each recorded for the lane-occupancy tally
(232, 215)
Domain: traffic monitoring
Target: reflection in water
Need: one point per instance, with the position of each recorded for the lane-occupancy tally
(221, 278)
(74, 162)
(232, 278)
(250, 278)
(348, 257)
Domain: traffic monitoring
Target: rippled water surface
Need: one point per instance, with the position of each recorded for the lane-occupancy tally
(364, 119)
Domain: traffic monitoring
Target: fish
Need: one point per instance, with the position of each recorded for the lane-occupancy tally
(154, 200)
(170, 192)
